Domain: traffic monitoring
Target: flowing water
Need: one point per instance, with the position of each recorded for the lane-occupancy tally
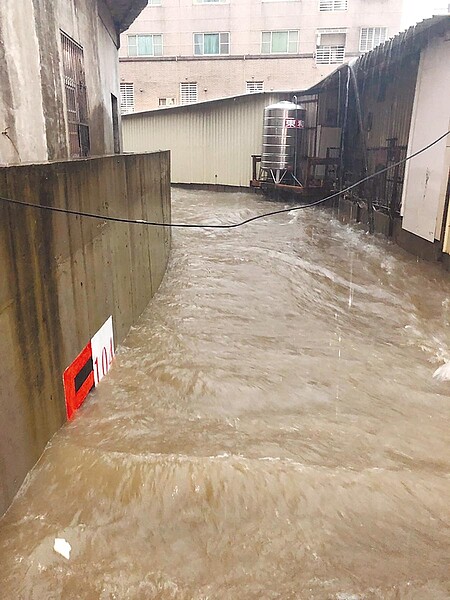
(270, 429)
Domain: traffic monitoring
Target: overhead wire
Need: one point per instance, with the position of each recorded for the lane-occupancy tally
(280, 211)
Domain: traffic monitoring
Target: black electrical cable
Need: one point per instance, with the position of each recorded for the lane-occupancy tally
(68, 211)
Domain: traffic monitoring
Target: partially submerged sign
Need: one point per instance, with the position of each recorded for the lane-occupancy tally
(88, 368)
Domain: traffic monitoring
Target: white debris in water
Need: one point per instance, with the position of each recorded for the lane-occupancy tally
(61, 546)
(443, 372)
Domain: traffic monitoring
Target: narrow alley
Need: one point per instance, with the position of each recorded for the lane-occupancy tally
(270, 428)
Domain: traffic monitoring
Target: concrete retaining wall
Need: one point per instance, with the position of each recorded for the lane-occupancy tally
(61, 278)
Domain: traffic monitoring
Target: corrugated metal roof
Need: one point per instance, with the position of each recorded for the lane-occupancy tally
(205, 104)
(124, 12)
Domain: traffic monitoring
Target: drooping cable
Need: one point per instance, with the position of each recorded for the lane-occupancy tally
(280, 211)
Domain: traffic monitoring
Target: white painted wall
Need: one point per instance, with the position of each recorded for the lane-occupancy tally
(426, 175)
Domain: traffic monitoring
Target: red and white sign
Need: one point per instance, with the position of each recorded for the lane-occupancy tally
(89, 368)
(294, 123)
(102, 345)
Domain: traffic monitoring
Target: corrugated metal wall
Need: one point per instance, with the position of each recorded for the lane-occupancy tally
(210, 142)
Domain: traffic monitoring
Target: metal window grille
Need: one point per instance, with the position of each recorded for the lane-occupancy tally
(331, 5)
(188, 92)
(252, 87)
(76, 97)
(330, 55)
(371, 37)
(154, 3)
(126, 98)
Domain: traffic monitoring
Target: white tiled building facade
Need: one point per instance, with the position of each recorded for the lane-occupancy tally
(184, 51)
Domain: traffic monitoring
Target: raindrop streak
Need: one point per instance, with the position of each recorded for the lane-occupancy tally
(270, 429)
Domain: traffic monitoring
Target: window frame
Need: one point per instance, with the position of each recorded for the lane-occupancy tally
(123, 103)
(288, 41)
(334, 52)
(191, 83)
(210, 2)
(249, 84)
(142, 35)
(220, 43)
(165, 103)
(333, 5)
(76, 99)
(373, 45)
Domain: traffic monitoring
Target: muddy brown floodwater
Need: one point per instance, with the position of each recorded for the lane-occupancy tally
(270, 429)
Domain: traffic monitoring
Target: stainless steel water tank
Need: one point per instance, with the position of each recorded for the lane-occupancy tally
(283, 125)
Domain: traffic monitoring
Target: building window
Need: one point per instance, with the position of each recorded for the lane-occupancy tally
(126, 98)
(211, 1)
(331, 5)
(145, 45)
(154, 3)
(371, 37)
(210, 44)
(188, 92)
(279, 42)
(253, 87)
(76, 97)
(167, 101)
(330, 48)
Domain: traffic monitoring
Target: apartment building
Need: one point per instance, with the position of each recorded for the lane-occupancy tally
(186, 51)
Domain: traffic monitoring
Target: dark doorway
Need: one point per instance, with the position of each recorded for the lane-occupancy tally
(115, 123)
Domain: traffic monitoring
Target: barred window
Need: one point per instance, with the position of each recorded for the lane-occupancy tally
(332, 5)
(253, 87)
(371, 37)
(76, 96)
(126, 98)
(188, 92)
(330, 49)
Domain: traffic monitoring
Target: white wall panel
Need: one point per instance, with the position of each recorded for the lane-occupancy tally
(424, 177)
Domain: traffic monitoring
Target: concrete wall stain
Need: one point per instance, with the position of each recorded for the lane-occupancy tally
(62, 278)
(8, 123)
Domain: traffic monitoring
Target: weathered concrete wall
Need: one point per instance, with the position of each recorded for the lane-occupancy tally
(23, 137)
(32, 96)
(61, 278)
